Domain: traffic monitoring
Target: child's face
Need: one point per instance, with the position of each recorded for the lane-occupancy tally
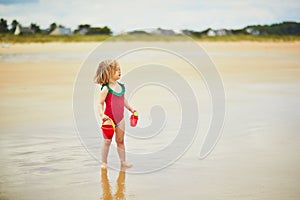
(117, 75)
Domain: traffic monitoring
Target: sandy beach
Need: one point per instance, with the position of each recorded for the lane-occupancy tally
(257, 156)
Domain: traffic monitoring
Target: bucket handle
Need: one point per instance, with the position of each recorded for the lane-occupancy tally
(112, 123)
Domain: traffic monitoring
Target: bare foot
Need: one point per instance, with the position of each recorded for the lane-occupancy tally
(126, 165)
(104, 166)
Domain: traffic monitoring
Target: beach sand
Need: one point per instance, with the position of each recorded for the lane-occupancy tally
(257, 156)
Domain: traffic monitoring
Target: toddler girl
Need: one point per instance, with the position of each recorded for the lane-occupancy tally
(112, 96)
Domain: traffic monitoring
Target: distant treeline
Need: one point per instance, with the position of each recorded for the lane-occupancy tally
(280, 29)
(285, 28)
(84, 29)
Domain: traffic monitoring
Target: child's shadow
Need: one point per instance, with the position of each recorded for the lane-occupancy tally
(106, 189)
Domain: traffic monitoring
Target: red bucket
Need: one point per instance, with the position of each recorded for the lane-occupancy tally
(108, 130)
(134, 119)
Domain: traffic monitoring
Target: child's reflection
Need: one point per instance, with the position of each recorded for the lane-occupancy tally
(106, 189)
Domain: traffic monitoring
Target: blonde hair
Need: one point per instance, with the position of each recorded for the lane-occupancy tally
(105, 71)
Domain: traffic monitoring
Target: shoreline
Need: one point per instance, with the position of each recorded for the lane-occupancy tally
(207, 45)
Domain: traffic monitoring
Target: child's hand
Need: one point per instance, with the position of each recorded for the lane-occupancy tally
(104, 118)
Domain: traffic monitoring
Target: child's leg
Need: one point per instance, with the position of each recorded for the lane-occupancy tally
(105, 150)
(120, 131)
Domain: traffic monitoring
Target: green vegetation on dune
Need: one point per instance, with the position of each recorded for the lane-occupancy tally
(39, 38)
(254, 38)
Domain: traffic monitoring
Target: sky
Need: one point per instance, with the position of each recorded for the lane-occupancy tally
(128, 15)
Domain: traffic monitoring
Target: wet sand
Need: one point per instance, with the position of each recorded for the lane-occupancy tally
(257, 156)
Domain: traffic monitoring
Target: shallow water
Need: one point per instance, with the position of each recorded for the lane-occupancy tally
(257, 157)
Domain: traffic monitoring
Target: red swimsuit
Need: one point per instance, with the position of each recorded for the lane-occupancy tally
(114, 104)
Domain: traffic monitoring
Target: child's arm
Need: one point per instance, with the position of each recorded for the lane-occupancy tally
(126, 104)
(103, 95)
